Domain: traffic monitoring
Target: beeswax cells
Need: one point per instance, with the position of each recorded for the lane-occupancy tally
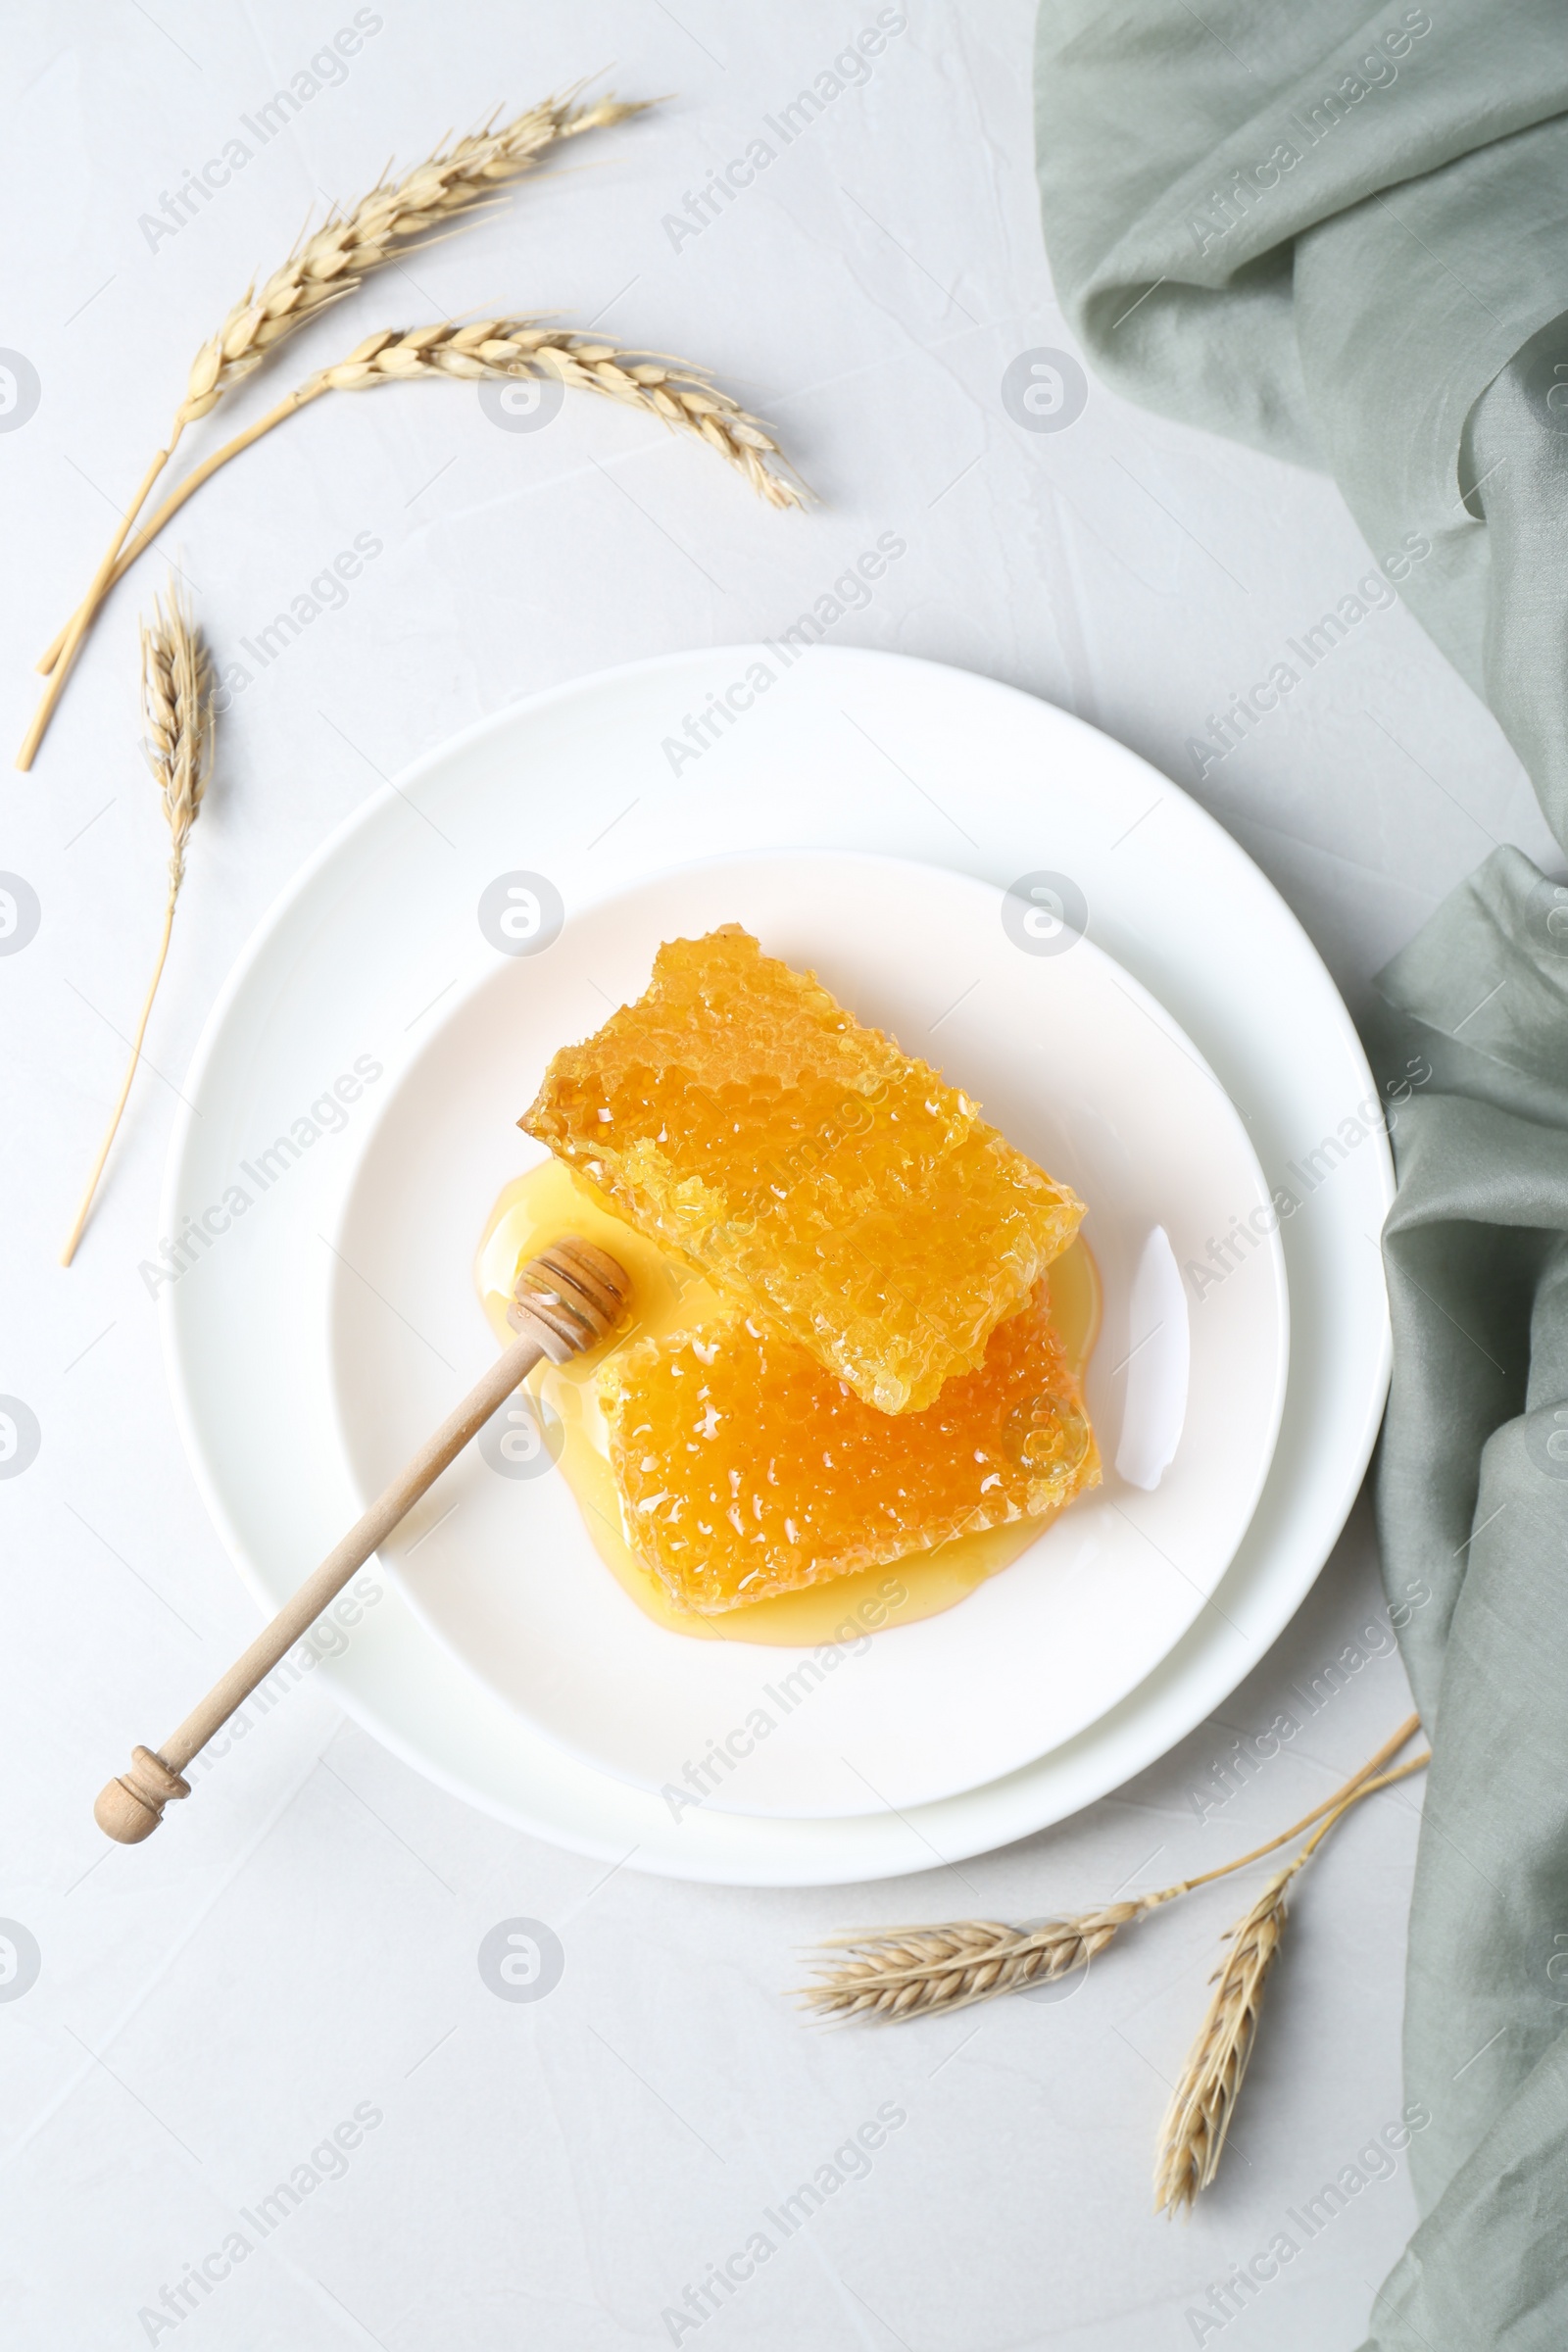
(746, 1470)
(836, 1189)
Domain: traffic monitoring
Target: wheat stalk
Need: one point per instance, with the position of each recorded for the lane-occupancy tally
(894, 1973)
(1192, 2137)
(394, 218)
(680, 395)
(177, 713)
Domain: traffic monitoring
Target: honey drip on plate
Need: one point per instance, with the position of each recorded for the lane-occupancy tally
(549, 1201)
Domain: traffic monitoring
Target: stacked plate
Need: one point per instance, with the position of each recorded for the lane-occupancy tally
(1014, 898)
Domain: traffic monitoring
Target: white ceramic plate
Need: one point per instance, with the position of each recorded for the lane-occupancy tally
(843, 750)
(1079, 1067)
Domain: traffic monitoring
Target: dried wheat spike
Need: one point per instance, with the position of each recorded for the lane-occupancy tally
(681, 396)
(177, 703)
(1198, 2117)
(177, 682)
(896, 1972)
(899, 1973)
(395, 217)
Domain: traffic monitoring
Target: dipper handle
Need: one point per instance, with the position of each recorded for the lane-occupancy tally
(567, 1299)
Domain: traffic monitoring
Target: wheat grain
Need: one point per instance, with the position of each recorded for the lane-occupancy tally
(395, 218)
(176, 700)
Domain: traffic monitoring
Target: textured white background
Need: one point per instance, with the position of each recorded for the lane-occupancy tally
(211, 2005)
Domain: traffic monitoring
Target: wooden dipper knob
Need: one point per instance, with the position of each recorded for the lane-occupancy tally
(131, 1808)
(567, 1299)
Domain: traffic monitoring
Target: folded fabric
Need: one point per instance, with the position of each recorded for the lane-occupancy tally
(1473, 1496)
(1338, 233)
(1326, 232)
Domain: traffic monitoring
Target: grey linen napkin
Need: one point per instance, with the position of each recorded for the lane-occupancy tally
(1340, 234)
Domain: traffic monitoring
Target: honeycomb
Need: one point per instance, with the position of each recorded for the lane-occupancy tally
(746, 1470)
(833, 1187)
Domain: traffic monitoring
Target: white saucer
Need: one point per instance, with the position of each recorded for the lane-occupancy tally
(845, 750)
(1080, 1068)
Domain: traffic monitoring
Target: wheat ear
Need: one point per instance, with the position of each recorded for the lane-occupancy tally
(1192, 2136)
(177, 713)
(679, 395)
(394, 218)
(897, 1973)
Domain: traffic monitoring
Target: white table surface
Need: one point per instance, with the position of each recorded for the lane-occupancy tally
(303, 1941)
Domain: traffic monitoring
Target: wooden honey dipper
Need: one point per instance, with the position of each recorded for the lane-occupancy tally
(567, 1299)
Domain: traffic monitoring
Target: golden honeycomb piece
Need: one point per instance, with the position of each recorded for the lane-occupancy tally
(835, 1188)
(746, 1470)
